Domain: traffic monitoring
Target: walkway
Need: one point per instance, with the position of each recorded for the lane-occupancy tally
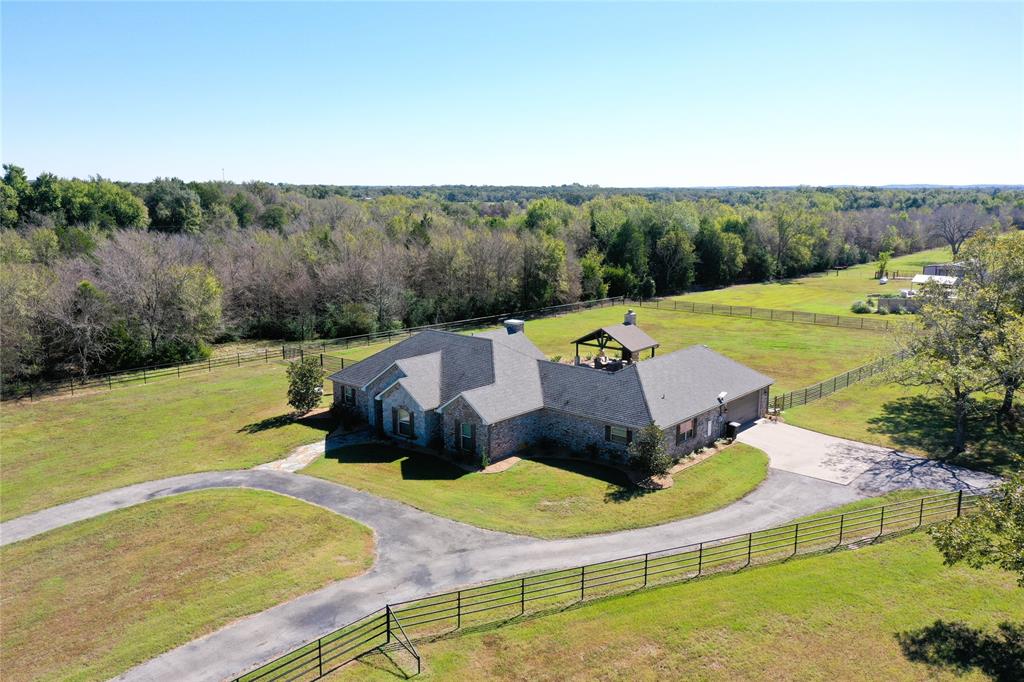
(419, 553)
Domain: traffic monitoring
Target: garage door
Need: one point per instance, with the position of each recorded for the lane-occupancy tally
(744, 409)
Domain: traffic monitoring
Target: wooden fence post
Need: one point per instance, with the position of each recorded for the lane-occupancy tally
(959, 502)
(796, 537)
(583, 581)
(645, 569)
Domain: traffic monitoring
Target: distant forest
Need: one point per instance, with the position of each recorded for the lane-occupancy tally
(99, 275)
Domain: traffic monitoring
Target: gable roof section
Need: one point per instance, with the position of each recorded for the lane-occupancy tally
(517, 386)
(422, 379)
(615, 397)
(687, 382)
(629, 336)
(465, 362)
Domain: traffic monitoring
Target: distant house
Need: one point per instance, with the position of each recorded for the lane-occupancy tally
(496, 393)
(945, 269)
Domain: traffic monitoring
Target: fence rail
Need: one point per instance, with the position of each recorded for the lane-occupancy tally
(502, 600)
(143, 375)
(829, 386)
(798, 316)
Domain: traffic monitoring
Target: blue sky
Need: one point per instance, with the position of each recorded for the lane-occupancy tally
(613, 94)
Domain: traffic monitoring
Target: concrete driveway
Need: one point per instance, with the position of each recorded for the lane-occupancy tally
(868, 468)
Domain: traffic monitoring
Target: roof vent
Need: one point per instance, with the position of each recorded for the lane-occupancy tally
(630, 317)
(514, 326)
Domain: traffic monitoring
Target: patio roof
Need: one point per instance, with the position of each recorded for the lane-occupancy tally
(629, 336)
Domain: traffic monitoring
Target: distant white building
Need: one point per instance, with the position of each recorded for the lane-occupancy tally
(944, 280)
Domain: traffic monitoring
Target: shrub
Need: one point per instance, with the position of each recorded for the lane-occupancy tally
(485, 459)
(649, 453)
(305, 384)
(592, 451)
(860, 307)
(883, 311)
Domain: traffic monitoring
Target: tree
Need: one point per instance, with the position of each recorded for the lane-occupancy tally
(173, 207)
(991, 536)
(945, 352)
(993, 276)
(883, 263)
(956, 223)
(649, 452)
(81, 315)
(674, 261)
(720, 255)
(305, 384)
(592, 276)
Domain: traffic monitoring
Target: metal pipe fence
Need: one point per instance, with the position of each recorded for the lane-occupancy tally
(825, 388)
(413, 620)
(771, 314)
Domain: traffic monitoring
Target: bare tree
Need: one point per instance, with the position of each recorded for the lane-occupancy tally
(956, 223)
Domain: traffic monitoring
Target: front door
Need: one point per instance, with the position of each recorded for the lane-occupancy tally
(378, 416)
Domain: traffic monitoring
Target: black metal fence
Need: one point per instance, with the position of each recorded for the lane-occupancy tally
(144, 375)
(863, 322)
(829, 386)
(494, 602)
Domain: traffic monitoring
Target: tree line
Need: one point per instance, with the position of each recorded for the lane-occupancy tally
(100, 275)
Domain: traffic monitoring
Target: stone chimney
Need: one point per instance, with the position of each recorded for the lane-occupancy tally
(514, 326)
(630, 317)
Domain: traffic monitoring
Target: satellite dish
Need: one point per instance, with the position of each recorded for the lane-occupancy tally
(721, 396)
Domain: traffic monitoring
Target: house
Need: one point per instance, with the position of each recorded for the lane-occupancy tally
(496, 393)
(945, 269)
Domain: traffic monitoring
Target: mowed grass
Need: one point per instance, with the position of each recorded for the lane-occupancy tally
(543, 498)
(90, 600)
(912, 420)
(824, 617)
(795, 355)
(61, 449)
(827, 293)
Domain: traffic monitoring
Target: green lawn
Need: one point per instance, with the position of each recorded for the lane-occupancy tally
(824, 617)
(65, 448)
(90, 600)
(830, 294)
(544, 498)
(908, 419)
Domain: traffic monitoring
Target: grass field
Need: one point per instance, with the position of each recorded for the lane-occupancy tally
(92, 599)
(907, 419)
(826, 617)
(62, 449)
(830, 293)
(543, 498)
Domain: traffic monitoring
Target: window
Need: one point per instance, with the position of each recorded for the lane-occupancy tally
(710, 422)
(405, 422)
(684, 431)
(348, 395)
(466, 437)
(618, 434)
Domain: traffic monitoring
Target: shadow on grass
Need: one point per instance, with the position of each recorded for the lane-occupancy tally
(960, 648)
(415, 466)
(620, 488)
(322, 421)
(926, 423)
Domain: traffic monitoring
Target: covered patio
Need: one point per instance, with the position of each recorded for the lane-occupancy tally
(628, 339)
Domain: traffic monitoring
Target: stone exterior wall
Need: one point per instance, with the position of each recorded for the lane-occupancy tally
(700, 433)
(458, 412)
(424, 422)
(373, 389)
(362, 406)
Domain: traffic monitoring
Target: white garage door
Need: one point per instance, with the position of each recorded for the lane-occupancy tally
(744, 409)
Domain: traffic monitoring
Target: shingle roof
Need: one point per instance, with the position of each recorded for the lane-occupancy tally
(629, 336)
(503, 375)
(615, 397)
(466, 361)
(685, 383)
